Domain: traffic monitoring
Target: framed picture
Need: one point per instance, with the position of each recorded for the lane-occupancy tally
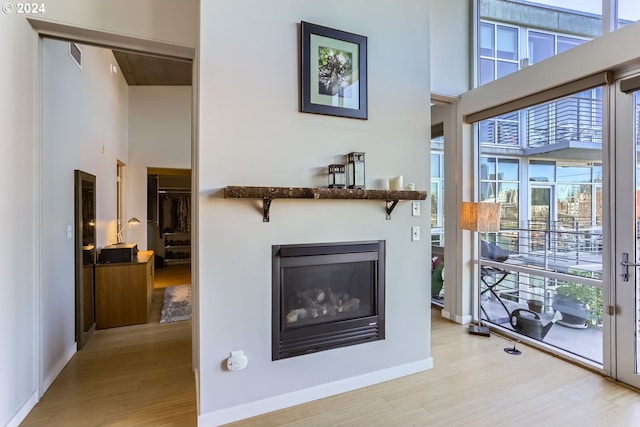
(334, 72)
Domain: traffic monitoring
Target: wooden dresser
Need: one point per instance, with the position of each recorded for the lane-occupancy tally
(124, 291)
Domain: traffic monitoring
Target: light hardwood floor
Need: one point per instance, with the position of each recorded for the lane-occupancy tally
(130, 376)
(173, 275)
(141, 376)
(474, 383)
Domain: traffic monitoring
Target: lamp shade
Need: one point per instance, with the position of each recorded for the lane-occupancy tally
(132, 221)
(482, 217)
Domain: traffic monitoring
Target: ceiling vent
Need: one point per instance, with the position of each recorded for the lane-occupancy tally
(76, 54)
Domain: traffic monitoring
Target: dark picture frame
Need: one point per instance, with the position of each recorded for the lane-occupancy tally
(334, 72)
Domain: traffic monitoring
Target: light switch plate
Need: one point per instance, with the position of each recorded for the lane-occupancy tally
(415, 208)
(415, 233)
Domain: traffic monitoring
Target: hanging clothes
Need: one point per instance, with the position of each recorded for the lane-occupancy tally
(174, 213)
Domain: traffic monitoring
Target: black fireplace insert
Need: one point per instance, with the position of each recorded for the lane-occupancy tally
(326, 295)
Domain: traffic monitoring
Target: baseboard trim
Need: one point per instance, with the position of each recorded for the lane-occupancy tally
(66, 357)
(463, 320)
(286, 400)
(23, 411)
(196, 374)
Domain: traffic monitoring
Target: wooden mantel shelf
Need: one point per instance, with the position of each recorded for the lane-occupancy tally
(267, 194)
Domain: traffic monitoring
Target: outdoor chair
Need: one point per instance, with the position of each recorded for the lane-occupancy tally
(491, 277)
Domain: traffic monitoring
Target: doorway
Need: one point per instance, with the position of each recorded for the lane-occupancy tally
(626, 249)
(89, 154)
(541, 218)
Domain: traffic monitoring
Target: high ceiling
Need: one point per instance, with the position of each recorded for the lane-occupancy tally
(146, 70)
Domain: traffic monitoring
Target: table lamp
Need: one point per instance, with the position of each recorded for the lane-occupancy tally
(480, 217)
(132, 221)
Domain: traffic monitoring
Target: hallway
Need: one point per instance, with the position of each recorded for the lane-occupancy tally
(137, 375)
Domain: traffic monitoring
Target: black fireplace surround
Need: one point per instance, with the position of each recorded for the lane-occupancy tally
(327, 295)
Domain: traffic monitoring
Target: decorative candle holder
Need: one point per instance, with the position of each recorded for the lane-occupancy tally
(355, 170)
(337, 176)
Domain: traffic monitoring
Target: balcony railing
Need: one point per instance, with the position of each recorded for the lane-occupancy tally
(570, 247)
(576, 118)
(554, 269)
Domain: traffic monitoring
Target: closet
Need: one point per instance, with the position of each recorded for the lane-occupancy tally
(169, 215)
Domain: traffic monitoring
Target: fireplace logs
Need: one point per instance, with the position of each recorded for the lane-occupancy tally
(314, 303)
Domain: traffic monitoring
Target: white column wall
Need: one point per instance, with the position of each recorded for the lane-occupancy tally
(252, 133)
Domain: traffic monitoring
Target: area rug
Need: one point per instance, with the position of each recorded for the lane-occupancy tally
(176, 305)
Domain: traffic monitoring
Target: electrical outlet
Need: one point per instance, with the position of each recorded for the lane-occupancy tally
(415, 208)
(415, 233)
(237, 361)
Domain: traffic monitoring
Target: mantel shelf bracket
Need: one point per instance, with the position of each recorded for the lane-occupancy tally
(266, 205)
(391, 204)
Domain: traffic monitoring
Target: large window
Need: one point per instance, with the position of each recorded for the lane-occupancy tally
(517, 33)
(548, 180)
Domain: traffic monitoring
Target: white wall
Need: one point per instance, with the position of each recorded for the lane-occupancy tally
(159, 137)
(22, 212)
(251, 133)
(19, 175)
(450, 24)
(163, 20)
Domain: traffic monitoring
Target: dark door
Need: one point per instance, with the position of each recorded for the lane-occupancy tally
(85, 250)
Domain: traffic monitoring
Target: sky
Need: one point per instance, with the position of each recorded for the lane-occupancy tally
(628, 9)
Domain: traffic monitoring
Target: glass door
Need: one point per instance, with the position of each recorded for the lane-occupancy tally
(541, 217)
(627, 254)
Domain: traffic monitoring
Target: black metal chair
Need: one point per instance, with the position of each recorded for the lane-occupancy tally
(493, 252)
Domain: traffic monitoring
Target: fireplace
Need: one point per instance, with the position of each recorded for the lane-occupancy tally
(326, 295)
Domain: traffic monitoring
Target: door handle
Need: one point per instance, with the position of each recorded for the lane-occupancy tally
(625, 266)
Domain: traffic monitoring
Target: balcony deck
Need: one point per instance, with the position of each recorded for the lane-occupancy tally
(585, 343)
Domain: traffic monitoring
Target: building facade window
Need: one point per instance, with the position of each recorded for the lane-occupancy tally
(499, 52)
(437, 198)
(500, 183)
(628, 12)
(513, 34)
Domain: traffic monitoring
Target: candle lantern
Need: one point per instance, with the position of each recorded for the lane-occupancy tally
(355, 170)
(336, 176)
